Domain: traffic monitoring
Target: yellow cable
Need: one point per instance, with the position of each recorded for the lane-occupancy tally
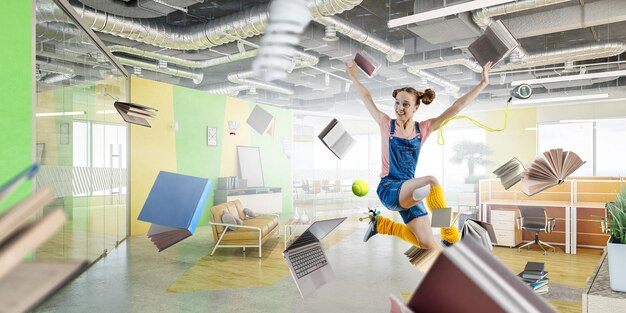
(440, 140)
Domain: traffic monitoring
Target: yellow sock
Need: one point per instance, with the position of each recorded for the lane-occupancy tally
(386, 226)
(436, 200)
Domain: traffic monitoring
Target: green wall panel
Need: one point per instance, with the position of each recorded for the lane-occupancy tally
(194, 111)
(16, 90)
(273, 155)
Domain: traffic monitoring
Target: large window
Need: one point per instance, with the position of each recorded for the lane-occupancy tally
(576, 137)
(610, 151)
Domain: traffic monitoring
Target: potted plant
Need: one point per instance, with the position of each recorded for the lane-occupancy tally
(473, 153)
(616, 247)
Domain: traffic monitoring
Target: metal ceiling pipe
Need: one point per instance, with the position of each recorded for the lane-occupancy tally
(227, 89)
(55, 78)
(444, 61)
(55, 68)
(243, 78)
(201, 36)
(184, 62)
(585, 52)
(393, 53)
(196, 77)
(453, 88)
(484, 17)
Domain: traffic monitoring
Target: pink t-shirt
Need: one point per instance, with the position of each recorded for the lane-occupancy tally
(385, 129)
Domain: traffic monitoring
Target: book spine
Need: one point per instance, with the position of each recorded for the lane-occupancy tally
(200, 206)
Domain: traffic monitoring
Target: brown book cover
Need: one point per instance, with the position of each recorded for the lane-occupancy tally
(495, 44)
(467, 278)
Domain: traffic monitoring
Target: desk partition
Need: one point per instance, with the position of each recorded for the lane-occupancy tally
(578, 205)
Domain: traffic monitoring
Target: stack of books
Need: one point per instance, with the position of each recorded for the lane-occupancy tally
(535, 277)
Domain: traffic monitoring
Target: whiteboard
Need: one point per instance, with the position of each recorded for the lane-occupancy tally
(250, 167)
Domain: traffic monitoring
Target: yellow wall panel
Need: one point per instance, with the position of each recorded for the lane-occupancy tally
(236, 110)
(151, 149)
(515, 140)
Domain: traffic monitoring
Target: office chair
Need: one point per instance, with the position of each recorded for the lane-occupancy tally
(535, 219)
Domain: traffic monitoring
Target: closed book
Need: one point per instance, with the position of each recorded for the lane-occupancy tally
(481, 284)
(534, 268)
(174, 206)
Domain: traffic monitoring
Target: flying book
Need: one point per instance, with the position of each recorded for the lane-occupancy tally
(24, 285)
(443, 217)
(335, 137)
(495, 44)
(482, 232)
(261, 121)
(549, 169)
(366, 63)
(135, 113)
(174, 206)
(423, 259)
(510, 173)
(467, 278)
(29, 284)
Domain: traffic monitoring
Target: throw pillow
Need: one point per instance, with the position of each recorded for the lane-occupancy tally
(249, 213)
(228, 218)
(238, 220)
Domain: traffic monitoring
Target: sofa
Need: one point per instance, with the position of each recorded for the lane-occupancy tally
(253, 233)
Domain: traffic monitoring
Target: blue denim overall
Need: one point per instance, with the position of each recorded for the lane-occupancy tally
(403, 155)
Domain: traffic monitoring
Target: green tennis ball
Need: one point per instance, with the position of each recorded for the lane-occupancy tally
(359, 188)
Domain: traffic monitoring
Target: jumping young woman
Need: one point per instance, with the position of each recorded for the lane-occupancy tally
(402, 140)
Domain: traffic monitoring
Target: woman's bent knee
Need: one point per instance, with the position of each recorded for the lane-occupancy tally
(429, 244)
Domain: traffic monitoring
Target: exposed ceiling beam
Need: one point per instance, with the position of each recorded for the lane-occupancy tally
(450, 10)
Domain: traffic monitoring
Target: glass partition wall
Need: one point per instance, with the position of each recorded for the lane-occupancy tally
(81, 141)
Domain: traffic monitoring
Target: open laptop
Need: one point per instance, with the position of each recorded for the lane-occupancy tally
(307, 261)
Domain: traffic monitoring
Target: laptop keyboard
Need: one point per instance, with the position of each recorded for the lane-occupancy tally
(307, 261)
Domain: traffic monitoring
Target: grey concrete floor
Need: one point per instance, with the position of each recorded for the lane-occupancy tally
(134, 277)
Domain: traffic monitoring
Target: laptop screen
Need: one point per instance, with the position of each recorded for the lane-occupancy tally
(316, 232)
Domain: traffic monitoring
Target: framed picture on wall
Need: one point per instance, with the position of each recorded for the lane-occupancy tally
(64, 133)
(211, 136)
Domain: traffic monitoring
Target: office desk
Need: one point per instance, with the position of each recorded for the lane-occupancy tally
(588, 227)
(566, 205)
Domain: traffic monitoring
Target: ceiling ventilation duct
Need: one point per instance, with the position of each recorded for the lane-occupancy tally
(217, 32)
(459, 27)
(483, 17)
(139, 8)
(184, 62)
(586, 52)
(154, 67)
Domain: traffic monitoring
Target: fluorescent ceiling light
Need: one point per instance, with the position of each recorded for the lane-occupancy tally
(560, 99)
(569, 78)
(60, 114)
(450, 10)
(106, 111)
(592, 120)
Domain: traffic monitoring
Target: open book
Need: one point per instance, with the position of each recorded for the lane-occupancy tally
(467, 278)
(24, 285)
(135, 113)
(261, 120)
(495, 44)
(510, 173)
(549, 169)
(481, 232)
(174, 206)
(336, 138)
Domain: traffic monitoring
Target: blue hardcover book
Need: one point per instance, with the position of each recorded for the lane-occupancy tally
(174, 206)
